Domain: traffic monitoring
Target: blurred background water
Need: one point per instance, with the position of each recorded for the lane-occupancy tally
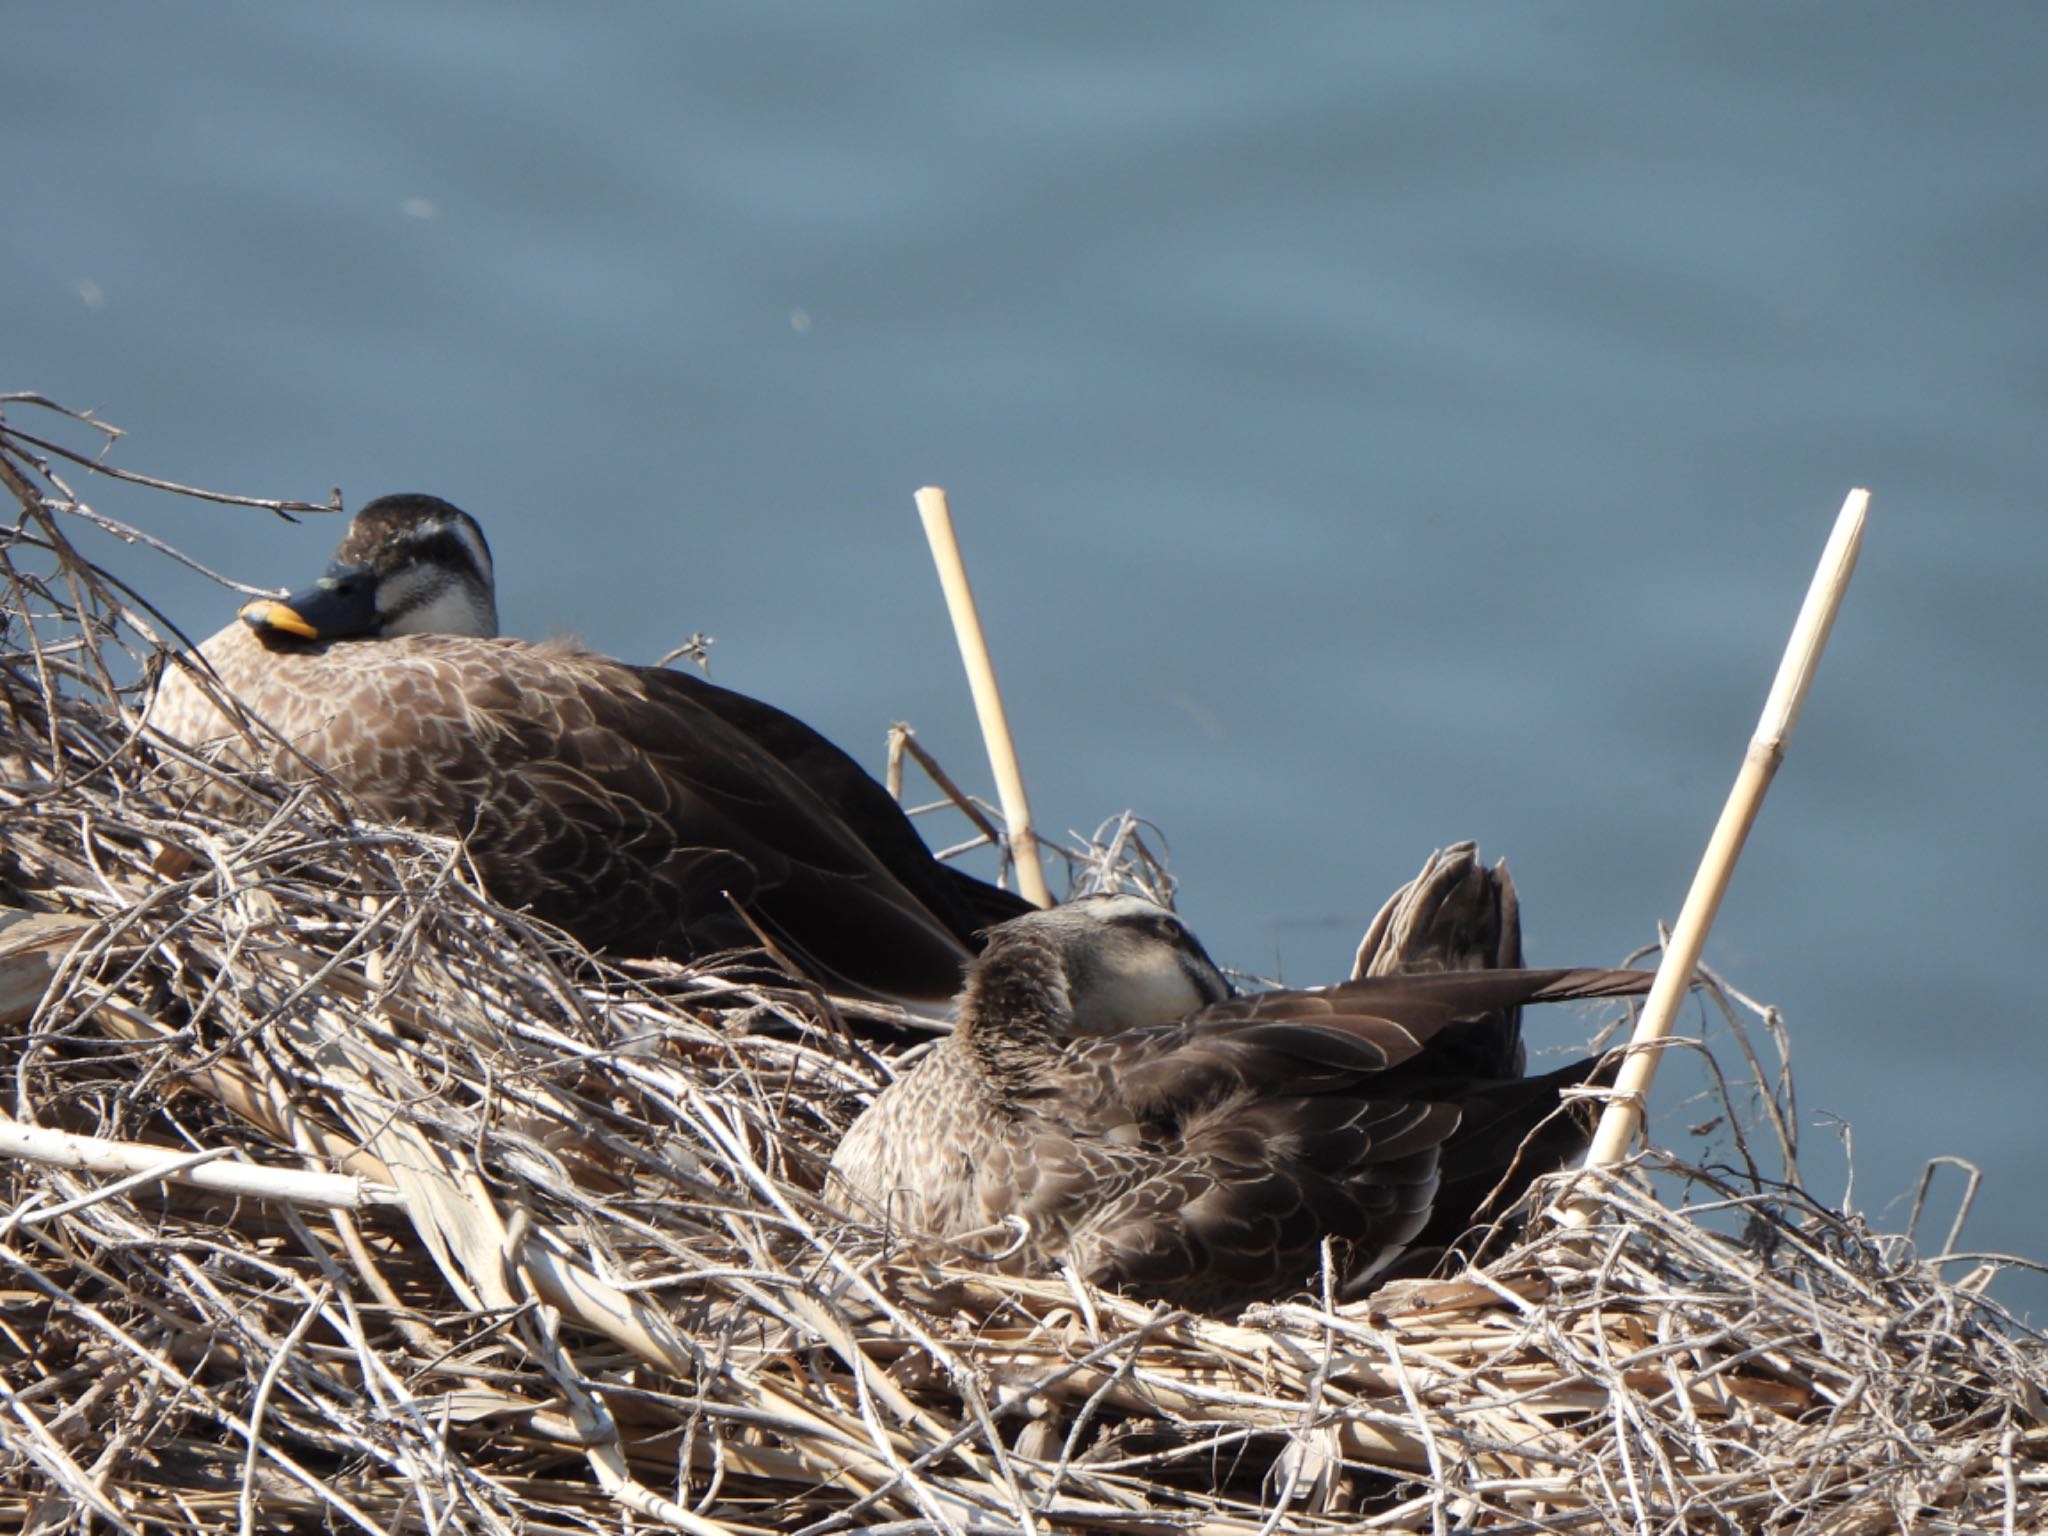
(1369, 427)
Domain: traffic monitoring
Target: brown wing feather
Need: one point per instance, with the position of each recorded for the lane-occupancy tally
(968, 904)
(1206, 1161)
(1457, 914)
(1510, 1134)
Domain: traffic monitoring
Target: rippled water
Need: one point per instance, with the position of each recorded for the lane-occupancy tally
(1369, 427)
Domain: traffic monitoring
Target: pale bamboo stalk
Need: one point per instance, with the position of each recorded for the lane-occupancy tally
(1624, 1112)
(147, 1164)
(988, 699)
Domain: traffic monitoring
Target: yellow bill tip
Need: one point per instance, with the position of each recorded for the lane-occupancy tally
(269, 613)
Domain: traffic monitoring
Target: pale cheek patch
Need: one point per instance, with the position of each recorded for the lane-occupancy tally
(417, 608)
(1142, 985)
(403, 594)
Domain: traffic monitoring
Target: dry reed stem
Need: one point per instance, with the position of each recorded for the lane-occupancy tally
(1623, 1116)
(903, 741)
(611, 1286)
(144, 1165)
(988, 698)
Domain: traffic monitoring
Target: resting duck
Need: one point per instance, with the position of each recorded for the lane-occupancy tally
(640, 809)
(1203, 1160)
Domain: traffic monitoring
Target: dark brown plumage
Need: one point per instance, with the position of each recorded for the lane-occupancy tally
(639, 809)
(1459, 915)
(1203, 1160)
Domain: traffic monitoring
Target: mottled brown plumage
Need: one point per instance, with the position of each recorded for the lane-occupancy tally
(640, 809)
(1203, 1160)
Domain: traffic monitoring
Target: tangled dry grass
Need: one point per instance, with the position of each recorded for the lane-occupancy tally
(467, 1231)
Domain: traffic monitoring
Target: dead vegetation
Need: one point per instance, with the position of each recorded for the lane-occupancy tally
(428, 1220)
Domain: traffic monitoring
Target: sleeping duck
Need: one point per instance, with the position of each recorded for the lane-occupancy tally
(644, 811)
(1204, 1157)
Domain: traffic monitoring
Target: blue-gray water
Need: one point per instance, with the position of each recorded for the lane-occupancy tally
(1370, 426)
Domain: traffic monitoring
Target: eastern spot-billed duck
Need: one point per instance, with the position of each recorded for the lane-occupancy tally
(1205, 1159)
(636, 807)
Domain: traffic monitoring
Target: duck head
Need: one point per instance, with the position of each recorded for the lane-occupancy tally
(408, 565)
(1108, 963)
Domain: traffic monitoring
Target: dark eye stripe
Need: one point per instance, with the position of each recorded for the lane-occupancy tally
(1159, 924)
(442, 548)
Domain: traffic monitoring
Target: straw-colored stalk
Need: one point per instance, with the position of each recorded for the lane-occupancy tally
(988, 698)
(204, 1169)
(1624, 1112)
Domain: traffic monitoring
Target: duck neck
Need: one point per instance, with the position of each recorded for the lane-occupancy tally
(1016, 1009)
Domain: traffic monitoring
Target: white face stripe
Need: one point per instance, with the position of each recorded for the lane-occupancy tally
(473, 541)
(1107, 909)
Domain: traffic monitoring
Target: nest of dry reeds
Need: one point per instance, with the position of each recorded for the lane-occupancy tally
(464, 1230)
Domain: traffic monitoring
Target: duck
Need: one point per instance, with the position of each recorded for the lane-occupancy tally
(644, 811)
(1106, 1102)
